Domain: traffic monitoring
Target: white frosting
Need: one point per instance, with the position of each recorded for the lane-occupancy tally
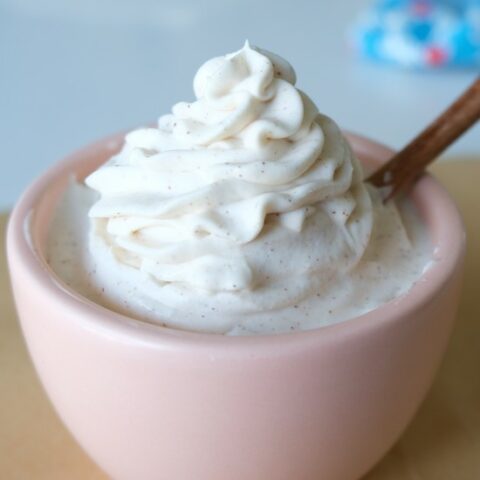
(243, 202)
(189, 201)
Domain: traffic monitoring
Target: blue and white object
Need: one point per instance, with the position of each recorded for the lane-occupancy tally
(421, 33)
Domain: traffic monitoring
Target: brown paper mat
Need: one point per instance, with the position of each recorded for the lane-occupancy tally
(442, 443)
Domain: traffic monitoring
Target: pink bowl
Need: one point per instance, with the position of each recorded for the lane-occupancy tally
(149, 402)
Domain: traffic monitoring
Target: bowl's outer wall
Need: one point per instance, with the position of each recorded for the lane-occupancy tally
(326, 409)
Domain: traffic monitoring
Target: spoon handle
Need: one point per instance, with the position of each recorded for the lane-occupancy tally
(405, 166)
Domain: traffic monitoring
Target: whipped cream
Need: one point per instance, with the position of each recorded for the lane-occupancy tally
(237, 213)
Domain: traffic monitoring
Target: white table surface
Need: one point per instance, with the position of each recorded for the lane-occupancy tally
(74, 70)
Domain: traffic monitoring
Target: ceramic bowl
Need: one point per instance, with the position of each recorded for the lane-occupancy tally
(148, 402)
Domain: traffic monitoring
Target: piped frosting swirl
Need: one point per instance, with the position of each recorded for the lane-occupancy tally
(246, 197)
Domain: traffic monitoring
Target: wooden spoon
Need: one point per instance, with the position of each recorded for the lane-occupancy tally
(401, 171)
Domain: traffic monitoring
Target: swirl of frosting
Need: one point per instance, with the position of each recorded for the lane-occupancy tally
(247, 194)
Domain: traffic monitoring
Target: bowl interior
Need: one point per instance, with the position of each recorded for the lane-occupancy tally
(37, 205)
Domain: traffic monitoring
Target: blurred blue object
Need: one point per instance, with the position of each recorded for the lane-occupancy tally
(421, 33)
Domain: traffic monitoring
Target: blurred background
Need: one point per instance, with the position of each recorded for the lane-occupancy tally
(72, 71)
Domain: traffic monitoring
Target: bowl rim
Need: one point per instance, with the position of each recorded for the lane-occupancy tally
(22, 256)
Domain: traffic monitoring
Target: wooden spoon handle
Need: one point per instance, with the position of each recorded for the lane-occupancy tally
(404, 167)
